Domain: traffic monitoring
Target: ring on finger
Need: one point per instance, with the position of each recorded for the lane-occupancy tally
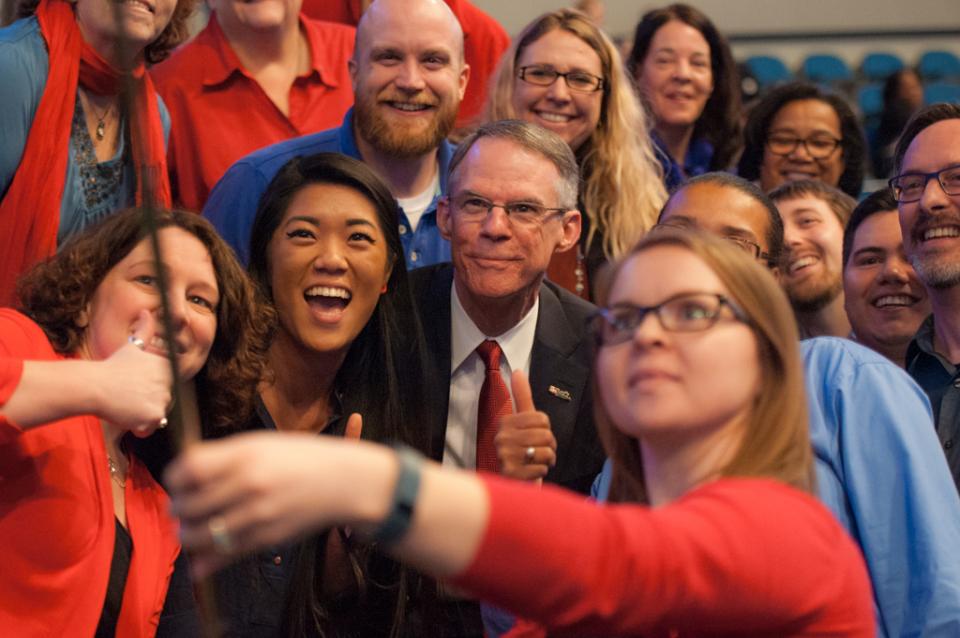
(529, 454)
(137, 341)
(222, 541)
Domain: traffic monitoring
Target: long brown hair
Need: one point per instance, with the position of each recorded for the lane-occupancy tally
(720, 121)
(776, 443)
(622, 180)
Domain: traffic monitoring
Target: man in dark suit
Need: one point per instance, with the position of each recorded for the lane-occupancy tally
(511, 205)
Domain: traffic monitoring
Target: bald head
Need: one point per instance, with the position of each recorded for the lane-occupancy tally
(383, 16)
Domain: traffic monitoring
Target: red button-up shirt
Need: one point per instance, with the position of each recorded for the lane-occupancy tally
(219, 113)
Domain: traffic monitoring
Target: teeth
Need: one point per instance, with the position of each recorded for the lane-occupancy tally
(158, 343)
(801, 263)
(139, 2)
(943, 231)
(328, 291)
(555, 117)
(406, 106)
(893, 300)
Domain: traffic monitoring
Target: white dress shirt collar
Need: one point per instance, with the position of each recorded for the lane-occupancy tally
(516, 343)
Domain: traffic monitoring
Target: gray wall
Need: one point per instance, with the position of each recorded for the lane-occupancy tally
(778, 16)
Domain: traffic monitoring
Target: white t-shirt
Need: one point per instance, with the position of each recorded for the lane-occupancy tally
(414, 207)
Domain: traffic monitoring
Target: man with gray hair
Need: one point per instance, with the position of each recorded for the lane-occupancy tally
(511, 205)
(408, 75)
(490, 314)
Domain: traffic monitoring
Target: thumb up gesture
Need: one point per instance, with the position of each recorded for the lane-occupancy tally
(526, 448)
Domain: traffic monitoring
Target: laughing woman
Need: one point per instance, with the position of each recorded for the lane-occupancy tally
(325, 251)
(69, 152)
(714, 531)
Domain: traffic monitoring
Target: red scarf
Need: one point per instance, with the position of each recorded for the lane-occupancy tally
(30, 211)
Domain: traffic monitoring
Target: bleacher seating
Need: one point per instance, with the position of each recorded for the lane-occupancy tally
(870, 100)
(942, 92)
(826, 69)
(877, 66)
(768, 70)
(939, 65)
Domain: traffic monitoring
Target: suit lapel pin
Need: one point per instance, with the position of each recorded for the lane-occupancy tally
(560, 394)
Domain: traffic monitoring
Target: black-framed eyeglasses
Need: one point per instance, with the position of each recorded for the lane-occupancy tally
(909, 187)
(818, 146)
(546, 75)
(685, 312)
(475, 209)
(748, 246)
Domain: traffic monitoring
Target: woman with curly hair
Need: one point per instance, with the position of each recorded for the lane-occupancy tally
(72, 148)
(564, 74)
(686, 75)
(799, 131)
(83, 369)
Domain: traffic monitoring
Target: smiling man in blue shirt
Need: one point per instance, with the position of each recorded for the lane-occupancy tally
(408, 75)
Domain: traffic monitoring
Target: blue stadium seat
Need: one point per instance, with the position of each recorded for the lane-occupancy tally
(870, 99)
(942, 92)
(768, 70)
(939, 65)
(826, 69)
(879, 65)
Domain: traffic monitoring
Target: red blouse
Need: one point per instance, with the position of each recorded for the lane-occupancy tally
(57, 518)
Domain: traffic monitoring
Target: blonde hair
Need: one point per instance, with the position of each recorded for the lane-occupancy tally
(776, 442)
(622, 180)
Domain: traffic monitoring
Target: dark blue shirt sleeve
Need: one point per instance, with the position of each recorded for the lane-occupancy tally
(232, 206)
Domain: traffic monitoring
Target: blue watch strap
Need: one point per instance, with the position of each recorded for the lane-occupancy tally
(397, 522)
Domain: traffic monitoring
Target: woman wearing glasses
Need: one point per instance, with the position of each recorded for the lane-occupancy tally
(564, 74)
(687, 78)
(800, 132)
(701, 408)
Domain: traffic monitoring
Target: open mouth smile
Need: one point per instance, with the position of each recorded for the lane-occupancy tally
(328, 302)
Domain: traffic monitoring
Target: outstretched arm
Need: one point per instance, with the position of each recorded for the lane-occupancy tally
(265, 488)
(736, 556)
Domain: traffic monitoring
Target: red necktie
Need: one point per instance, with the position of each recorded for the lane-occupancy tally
(494, 403)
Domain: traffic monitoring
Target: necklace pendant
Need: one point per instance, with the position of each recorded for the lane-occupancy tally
(101, 130)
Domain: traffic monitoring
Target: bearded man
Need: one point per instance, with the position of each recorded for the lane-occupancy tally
(409, 76)
(814, 216)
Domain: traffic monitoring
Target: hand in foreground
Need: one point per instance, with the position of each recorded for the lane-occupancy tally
(526, 448)
(135, 385)
(251, 490)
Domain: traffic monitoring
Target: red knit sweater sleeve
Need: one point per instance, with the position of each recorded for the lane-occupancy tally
(20, 340)
(735, 556)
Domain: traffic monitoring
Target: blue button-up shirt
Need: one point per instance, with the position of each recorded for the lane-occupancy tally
(882, 473)
(233, 202)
